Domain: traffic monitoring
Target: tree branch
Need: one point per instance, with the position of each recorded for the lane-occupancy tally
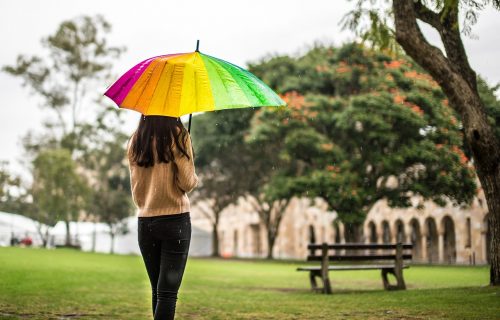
(452, 41)
(427, 15)
(451, 74)
(409, 35)
(446, 24)
(209, 215)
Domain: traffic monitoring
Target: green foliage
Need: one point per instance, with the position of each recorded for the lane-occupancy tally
(104, 157)
(13, 197)
(74, 153)
(7, 181)
(379, 128)
(222, 161)
(78, 58)
(221, 155)
(372, 20)
(232, 164)
(491, 104)
(58, 190)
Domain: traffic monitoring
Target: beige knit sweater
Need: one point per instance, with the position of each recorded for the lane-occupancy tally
(162, 189)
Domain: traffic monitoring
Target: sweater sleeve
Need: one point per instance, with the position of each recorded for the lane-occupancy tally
(185, 175)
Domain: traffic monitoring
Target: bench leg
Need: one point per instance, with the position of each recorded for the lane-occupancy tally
(385, 281)
(400, 285)
(327, 289)
(312, 279)
(400, 280)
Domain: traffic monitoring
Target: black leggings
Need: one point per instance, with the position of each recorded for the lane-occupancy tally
(164, 243)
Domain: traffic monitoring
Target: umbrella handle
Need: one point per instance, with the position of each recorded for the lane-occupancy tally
(189, 126)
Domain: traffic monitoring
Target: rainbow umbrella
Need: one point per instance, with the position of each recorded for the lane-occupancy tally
(184, 83)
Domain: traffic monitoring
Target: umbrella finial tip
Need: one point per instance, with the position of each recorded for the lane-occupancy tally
(197, 45)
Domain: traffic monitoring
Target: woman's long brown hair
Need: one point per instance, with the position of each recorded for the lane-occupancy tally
(154, 139)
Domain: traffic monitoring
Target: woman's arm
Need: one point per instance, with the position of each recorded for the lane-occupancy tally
(185, 176)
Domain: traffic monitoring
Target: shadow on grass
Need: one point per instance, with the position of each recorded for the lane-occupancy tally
(7, 315)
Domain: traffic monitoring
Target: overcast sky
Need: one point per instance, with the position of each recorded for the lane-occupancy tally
(237, 31)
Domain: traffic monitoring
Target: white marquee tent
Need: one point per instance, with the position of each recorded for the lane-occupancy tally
(90, 236)
(18, 227)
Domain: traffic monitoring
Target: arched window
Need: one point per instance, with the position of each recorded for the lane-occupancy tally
(432, 240)
(312, 234)
(416, 239)
(400, 231)
(373, 232)
(449, 243)
(386, 232)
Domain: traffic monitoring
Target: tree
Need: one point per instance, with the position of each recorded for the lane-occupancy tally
(78, 59)
(233, 165)
(366, 127)
(110, 200)
(220, 153)
(266, 188)
(11, 191)
(58, 190)
(17, 199)
(452, 71)
(270, 206)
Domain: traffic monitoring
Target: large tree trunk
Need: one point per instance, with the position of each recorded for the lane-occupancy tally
(215, 240)
(68, 234)
(271, 239)
(94, 238)
(353, 232)
(112, 248)
(45, 236)
(458, 82)
(271, 215)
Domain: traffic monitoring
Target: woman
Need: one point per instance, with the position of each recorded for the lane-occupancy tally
(161, 174)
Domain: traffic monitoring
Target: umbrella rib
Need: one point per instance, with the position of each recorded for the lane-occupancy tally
(243, 72)
(156, 87)
(169, 85)
(219, 74)
(194, 82)
(249, 80)
(262, 84)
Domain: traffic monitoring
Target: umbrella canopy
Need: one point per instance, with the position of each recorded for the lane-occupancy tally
(183, 83)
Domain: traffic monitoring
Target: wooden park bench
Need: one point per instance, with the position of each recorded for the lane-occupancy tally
(389, 258)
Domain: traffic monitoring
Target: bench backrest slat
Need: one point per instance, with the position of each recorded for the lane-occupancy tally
(360, 252)
(359, 257)
(354, 246)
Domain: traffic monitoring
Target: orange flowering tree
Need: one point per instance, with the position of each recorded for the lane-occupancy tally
(361, 126)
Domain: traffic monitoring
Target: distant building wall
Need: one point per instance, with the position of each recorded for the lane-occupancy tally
(440, 234)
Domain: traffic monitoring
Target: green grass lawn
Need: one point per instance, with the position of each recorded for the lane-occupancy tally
(67, 284)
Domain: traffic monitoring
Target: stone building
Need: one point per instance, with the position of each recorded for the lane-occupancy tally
(440, 234)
